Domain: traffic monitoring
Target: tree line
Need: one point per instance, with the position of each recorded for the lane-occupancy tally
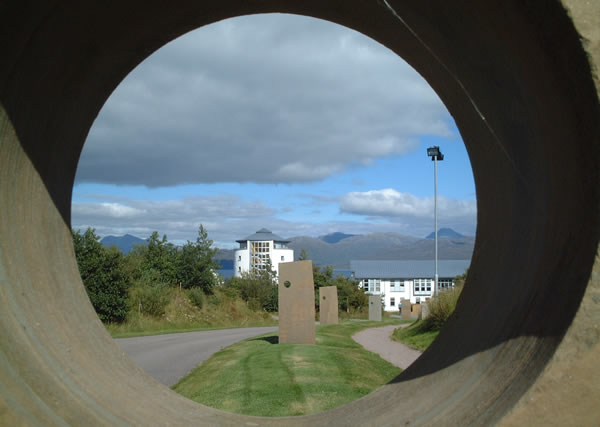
(116, 283)
(143, 280)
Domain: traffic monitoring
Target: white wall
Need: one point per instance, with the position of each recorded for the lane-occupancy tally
(241, 260)
(281, 255)
(407, 293)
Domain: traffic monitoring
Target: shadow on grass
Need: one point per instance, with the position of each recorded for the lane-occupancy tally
(271, 340)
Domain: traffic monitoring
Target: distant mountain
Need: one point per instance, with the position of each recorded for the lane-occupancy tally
(124, 243)
(335, 237)
(445, 233)
(224, 254)
(380, 246)
(376, 246)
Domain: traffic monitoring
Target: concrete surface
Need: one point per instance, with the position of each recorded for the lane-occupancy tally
(521, 81)
(168, 358)
(378, 340)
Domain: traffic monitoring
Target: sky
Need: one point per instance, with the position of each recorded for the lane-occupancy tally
(290, 123)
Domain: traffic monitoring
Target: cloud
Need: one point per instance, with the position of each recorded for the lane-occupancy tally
(179, 219)
(265, 99)
(110, 210)
(391, 203)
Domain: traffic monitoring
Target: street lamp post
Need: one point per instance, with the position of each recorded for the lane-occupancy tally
(435, 154)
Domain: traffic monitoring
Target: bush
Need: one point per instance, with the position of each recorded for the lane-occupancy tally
(258, 290)
(196, 297)
(440, 308)
(151, 299)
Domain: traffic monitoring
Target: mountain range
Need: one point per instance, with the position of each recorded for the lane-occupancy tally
(337, 249)
(445, 233)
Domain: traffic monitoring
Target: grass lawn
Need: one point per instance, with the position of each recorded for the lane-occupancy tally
(261, 377)
(415, 336)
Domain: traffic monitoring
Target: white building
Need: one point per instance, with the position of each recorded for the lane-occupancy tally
(256, 250)
(413, 280)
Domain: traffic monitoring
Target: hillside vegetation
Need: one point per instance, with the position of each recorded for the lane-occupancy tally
(422, 333)
(159, 287)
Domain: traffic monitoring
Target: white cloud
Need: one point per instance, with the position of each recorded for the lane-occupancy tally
(391, 203)
(111, 210)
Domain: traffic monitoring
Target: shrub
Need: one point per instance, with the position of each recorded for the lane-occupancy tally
(440, 308)
(196, 297)
(258, 290)
(151, 299)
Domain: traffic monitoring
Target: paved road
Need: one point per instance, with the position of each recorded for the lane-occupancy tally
(168, 358)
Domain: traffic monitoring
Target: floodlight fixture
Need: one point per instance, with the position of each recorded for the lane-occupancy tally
(435, 153)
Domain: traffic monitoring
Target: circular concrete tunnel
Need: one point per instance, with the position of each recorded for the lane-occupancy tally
(519, 78)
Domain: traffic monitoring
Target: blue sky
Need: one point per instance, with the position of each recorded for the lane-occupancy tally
(277, 121)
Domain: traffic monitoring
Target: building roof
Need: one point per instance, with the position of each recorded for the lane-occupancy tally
(263, 235)
(407, 269)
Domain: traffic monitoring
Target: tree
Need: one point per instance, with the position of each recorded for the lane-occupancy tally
(103, 275)
(303, 255)
(196, 264)
(160, 259)
(257, 288)
(350, 296)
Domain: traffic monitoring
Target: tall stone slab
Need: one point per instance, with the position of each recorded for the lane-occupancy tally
(328, 305)
(375, 307)
(296, 303)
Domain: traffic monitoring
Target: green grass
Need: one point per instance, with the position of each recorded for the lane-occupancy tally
(261, 377)
(415, 336)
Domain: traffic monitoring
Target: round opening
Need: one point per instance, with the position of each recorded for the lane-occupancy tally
(521, 91)
(287, 284)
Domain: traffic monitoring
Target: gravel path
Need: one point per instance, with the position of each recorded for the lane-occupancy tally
(378, 340)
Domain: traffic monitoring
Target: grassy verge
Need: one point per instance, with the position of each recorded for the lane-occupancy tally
(415, 336)
(218, 312)
(261, 377)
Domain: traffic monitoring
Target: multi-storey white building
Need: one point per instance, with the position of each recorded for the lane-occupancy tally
(413, 280)
(256, 250)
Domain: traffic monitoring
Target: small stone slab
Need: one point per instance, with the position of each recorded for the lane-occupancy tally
(328, 305)
(375, 307)
(406, 309)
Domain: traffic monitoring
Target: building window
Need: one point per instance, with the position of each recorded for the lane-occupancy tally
(374, 285)
(282, 257)
(239, 257)
(392, 302)
(240, 269)
(259, 255)
(445, 284)
(422, 286)
(397, 285)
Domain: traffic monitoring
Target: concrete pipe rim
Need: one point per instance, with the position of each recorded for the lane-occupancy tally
(516, 96)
